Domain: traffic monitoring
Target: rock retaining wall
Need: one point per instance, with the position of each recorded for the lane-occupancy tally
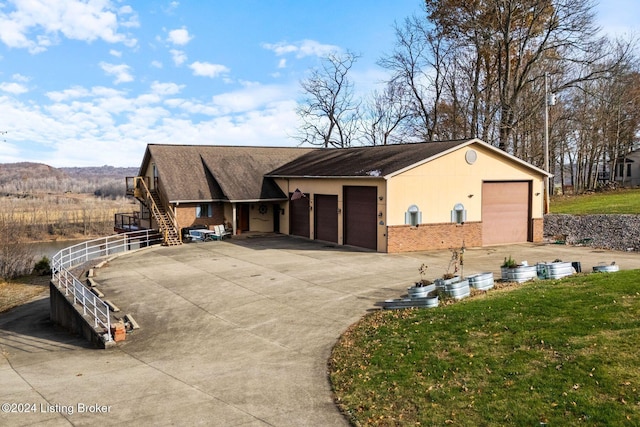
(617, 232)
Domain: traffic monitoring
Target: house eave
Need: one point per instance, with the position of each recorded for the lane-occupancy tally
(178, 202)
(324, 177)
(257, 200)
(466, 144)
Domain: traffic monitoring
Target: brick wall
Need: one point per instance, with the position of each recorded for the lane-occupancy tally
(186, 215)
(538, 229)
(405, 238)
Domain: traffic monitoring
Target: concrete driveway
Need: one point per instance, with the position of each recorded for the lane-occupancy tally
(234, 333)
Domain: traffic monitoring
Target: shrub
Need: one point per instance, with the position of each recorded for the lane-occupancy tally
(42, 267)
(16, 257)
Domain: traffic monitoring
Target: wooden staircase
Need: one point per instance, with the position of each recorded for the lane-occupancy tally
(170, 233)
(167, 224)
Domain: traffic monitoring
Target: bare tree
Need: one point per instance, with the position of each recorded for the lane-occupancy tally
(16, 257)
(512, 38)
(418, 63)
(330, 113)
(386, 112)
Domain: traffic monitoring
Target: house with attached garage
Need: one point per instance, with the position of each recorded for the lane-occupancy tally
(393, 198)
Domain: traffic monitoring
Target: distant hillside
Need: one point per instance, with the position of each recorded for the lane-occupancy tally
(25, 178)
(100, 172)
(11, 172)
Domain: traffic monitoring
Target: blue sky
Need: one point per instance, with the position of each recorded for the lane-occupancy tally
(91, 82)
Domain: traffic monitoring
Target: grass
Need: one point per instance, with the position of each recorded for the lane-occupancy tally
(626, 201)
(550, 352)
(20, 291)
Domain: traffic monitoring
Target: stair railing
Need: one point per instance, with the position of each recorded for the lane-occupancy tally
(155, 210)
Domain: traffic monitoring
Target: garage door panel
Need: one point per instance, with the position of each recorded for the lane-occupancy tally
(326, 217)
(505, 212)
(299, 224)
(360, 216)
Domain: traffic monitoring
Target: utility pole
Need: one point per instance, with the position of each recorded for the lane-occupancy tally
(549, 99)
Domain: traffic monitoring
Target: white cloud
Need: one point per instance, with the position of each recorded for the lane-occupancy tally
(282, 63)
(14, 88)
(179, 37)
(131, 20)
(178, 56)
(173, 5)
(37, 24)
(166, 88)
(72, 93)
(190, 107)
(156, 64)
(78, 122)
(206, 69)
(115, 53)
(120, 71)
(253, 96)
(20, 78)
(302, 48)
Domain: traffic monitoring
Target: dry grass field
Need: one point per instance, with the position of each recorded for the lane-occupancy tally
(18, 292)
(47, 216)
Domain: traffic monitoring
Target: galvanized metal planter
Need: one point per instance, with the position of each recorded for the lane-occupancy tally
(522, 273)
(441, 283)
(558, 270)
(481, 281)
(457, 290)
(422, 302)
(420, 291)
(606, 268)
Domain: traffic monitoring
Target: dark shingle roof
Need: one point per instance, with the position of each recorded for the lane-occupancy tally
(206, 172)
(380, 160)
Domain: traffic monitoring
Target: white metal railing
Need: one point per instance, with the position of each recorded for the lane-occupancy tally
(63, 261)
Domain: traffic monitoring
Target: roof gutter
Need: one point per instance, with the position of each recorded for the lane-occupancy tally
(177, 202)
(325, 176)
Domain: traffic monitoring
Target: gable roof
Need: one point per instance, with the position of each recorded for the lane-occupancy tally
(382, 161)
(192, 173)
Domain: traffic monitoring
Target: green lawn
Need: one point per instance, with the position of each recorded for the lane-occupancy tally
(562, 353)
(613, 202)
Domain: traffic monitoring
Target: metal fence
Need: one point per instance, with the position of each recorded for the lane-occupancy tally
(67, 259)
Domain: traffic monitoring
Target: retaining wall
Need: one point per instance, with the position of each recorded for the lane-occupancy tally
(63, 312)
(617, 232)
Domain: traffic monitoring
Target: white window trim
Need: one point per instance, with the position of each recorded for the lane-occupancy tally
(413, 213)
(459, 214)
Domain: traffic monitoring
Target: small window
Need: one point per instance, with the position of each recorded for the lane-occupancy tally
(413, 216)
(458, 214)
(204, 210)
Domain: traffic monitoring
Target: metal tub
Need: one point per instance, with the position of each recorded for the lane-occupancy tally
(481, 281)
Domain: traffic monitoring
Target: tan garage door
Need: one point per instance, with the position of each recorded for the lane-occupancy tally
(506, 212)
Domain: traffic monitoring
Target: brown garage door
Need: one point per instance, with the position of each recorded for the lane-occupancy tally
(299, 216)
(506, 212)
(360, 220)
(326, 217)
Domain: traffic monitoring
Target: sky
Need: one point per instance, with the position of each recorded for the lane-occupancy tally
(92, 82)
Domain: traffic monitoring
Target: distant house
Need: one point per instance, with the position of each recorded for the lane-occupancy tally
(392, 198)
(627, 172)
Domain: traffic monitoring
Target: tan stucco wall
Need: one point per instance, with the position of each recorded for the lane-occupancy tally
(333, 186)
(261, 222)
(437, 186)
